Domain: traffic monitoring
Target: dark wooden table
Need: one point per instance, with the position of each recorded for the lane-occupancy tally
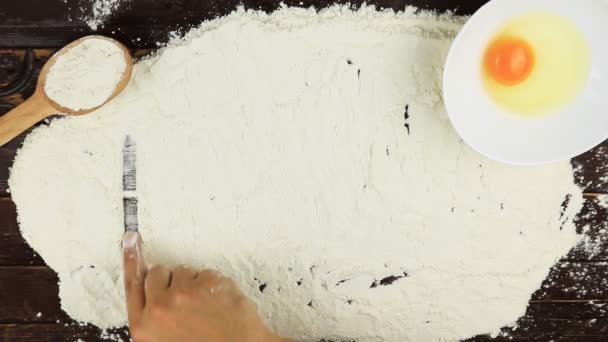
(570, 305)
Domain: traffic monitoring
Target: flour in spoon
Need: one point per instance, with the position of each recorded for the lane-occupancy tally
(309, 156)
(86, 75)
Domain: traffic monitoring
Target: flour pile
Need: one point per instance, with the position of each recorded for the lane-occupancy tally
(86, 75)
(309, 157)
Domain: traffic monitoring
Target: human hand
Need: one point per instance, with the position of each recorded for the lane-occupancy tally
(184, 305)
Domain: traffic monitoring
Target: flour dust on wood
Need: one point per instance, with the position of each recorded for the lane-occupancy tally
(95, 13)
(307, 155)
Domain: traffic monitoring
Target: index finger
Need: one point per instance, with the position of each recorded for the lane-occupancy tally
(135, 269)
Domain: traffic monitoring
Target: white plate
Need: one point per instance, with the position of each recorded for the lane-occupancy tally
(505, 137)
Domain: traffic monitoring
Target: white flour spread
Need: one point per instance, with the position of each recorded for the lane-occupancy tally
(86, 75)
(308, 156)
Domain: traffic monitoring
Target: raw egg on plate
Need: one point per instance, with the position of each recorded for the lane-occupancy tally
(526, 81)
(535, 64)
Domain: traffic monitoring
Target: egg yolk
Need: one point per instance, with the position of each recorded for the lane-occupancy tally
(509, 61)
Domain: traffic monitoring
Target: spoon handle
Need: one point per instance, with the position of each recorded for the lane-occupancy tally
(23, 117)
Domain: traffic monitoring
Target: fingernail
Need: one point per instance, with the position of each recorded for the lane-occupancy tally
(129, 240)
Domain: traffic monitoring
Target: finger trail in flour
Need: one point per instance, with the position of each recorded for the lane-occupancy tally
(129, 184)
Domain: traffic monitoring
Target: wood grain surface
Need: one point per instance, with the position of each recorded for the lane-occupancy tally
(571, 305)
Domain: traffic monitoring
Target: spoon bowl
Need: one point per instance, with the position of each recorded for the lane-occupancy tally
(39, 106)
(126, 76)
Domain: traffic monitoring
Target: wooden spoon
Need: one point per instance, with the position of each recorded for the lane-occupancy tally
(39, 106)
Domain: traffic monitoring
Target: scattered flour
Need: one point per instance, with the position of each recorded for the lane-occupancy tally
(602, 201)
(100, 11)
(595, 233)
(309, 157)
(86, 75)
(106, 335)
